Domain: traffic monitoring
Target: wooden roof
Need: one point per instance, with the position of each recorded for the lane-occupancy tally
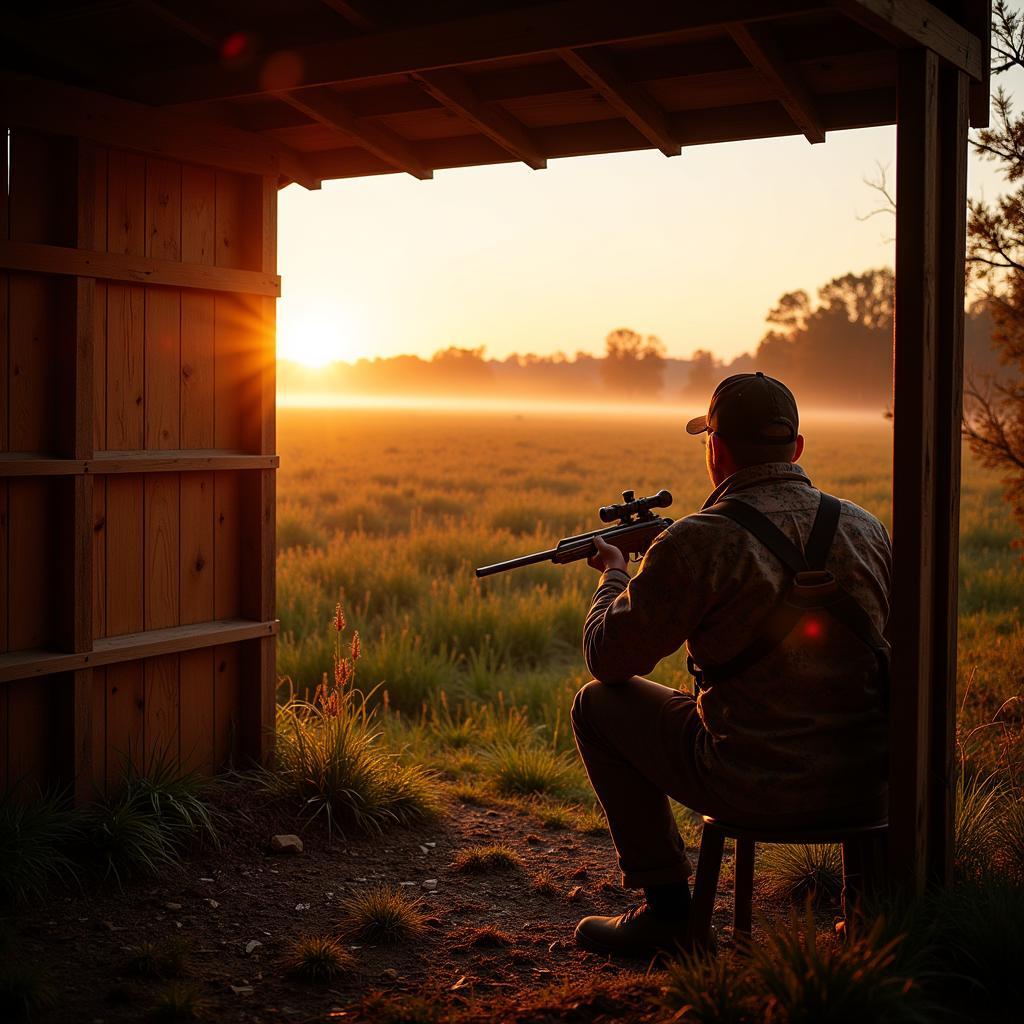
(353, 87)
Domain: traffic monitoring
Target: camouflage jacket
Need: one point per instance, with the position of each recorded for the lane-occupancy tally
(803, 725)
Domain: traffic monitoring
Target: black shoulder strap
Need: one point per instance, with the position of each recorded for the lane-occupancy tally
(779, 622)
(823, 532)
(764, 530)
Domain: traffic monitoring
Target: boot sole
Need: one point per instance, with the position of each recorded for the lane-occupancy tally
(640, 952)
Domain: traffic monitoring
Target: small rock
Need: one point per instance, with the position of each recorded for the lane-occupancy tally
(302, 906)
(430, 844)
(172, 906)
(491, 814)
(533, 840)
(406, 883)
(430, 884)
(242, 990)
(574, 893)
(205, 879)
(285, 844)
(390, 973)
(252, 944)
(213, 903)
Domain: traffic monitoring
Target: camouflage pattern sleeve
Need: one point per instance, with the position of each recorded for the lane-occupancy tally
(634, 623)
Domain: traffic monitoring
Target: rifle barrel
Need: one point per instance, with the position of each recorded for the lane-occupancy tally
(516, 563)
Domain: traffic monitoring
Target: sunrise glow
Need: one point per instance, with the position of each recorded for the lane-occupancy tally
(316, 337)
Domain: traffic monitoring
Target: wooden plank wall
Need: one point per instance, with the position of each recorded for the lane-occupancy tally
(174, 370)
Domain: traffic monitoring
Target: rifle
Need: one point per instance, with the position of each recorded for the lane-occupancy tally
(635, 527)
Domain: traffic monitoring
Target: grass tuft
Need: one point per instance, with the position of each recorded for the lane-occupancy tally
(334, 765)
(709, 990)
(24, 990)
(318, 959)
(528, 770)
(181, 1001)
(35, 837)
(546, 885)
(167, 959)
(383, 914)
(553, 816)
(148, 824)
(495, 857)
(797, 873)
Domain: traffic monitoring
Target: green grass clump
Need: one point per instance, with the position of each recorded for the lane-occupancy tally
(181, 1001)
(318, 958)
(24, 990)
(794, 976)
(591, 823)
(528, 770)
(333, 765)
(167, 959)
(383, 914)
(495, 857)
(798, 872)
(553, 816)
(149, 822)
(979, 814)
(35, 839)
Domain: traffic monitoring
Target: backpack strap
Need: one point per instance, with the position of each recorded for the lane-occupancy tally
(780, 621)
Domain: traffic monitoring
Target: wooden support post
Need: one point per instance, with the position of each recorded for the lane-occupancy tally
(930, 225)
(914, 526)
(259, 547)
(953, 116)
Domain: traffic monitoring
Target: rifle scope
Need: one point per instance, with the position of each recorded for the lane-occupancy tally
(630, 507)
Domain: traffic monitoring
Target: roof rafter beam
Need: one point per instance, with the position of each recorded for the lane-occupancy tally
(328, 109)
(352, 13)
(919, 23)
(451, 88)
(493, 36)
(597, 70)
(760, 49)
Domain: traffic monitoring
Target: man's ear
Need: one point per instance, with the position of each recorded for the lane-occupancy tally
(799, 448)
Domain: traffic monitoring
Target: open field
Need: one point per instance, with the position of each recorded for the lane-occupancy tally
(390, 509)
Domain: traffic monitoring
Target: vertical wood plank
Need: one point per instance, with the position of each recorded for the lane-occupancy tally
(125, 575)
(227, 546)
(226, 695)
(92, 234)
(34, 319)
(29, 563)
(197, 712)
(197, 561)
(163, 209)
(126, 233)
(99, 729)
(913, 458)
(163, 494)
(161, 712)
(951, 215)
(5, 592)
(198, 310)
(99, 557)
(125, 705)
(30, 712)
(5, 744)
(163, 368)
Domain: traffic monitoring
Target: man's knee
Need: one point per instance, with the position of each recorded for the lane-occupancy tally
(586, 704)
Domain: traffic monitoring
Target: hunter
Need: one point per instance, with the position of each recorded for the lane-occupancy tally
(781, 594)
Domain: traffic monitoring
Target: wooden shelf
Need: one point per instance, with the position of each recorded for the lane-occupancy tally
(14, 464)
(132, 646)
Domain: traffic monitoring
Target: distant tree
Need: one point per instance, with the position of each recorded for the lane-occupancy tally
(705, 373)
(633, 364)
(839, 347)
(994, 406)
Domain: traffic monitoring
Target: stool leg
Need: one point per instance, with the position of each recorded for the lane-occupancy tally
(744, 893)
(709, 865)
(853, 879)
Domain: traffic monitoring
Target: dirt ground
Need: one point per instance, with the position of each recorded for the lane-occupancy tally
(241, 897)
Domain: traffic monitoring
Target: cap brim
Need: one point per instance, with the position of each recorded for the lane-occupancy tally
(698, 425)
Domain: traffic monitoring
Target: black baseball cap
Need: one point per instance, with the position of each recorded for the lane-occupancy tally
(750, 407)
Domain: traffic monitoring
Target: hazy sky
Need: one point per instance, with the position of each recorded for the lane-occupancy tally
(694, 248)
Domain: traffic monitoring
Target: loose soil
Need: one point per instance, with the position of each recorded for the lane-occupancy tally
(224, 899)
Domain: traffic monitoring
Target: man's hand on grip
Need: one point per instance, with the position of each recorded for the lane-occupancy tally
(607, 556)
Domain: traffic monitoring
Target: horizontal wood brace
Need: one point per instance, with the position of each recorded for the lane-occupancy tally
(133, 646)
(34, 257)
(13, 464)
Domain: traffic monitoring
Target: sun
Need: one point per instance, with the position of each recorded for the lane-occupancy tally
(315, 338)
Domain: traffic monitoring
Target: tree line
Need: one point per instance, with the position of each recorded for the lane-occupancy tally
(835, 348)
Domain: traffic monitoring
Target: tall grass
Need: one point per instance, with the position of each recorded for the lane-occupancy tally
(37, 842)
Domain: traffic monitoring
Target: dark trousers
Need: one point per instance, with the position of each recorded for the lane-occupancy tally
(638, 741)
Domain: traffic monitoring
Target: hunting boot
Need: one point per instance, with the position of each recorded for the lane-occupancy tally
(658, 924)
